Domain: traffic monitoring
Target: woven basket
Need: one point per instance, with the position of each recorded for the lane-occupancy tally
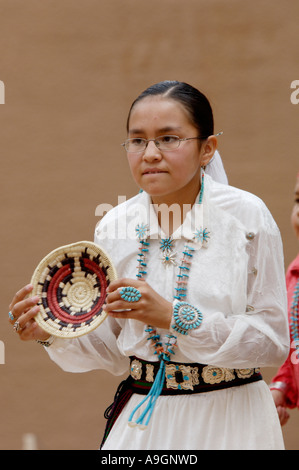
(71, 282)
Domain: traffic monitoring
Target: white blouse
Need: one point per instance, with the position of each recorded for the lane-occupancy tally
(236, 280)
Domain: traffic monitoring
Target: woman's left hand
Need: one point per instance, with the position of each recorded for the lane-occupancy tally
(151, 308)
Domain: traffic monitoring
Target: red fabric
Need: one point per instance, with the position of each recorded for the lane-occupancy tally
(289, 371)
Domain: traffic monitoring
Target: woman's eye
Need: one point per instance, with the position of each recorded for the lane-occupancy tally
(137, 141)
(168, 139)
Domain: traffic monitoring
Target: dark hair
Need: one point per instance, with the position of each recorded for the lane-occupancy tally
(193, 100)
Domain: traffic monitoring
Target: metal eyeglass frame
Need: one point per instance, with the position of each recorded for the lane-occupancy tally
(178, 140)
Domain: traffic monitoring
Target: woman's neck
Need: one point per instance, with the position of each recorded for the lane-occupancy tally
(171, 210)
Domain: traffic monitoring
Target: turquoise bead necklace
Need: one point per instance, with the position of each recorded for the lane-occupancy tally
(294, 317)
(186, 316)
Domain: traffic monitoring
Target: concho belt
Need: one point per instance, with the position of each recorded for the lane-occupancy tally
(188, 378)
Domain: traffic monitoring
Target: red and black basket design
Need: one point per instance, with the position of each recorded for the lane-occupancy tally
(71, 282)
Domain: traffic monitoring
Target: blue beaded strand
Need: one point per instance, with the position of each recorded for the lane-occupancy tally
(294, 317)
(201, 189)
(191, 319)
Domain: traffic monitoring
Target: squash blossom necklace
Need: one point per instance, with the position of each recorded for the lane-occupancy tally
(186, 317)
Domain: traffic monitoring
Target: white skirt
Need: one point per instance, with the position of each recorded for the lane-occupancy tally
(237, 418)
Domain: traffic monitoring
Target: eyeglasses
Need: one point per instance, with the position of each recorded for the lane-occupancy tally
(163, 142)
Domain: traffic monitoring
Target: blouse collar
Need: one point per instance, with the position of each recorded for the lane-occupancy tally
(194, 227)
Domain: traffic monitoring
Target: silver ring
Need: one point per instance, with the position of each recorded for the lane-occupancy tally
(17, 326)
(11, 316)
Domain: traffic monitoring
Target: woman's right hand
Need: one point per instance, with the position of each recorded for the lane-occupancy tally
(23, 308)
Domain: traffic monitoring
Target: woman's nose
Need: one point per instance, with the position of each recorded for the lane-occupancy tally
(152, 153)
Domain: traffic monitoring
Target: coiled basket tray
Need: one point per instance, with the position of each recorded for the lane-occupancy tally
(71, 282)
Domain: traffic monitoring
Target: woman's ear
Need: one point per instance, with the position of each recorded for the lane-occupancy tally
(208, 149)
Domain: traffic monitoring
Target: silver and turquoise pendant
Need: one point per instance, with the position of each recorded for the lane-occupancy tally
(168, 255)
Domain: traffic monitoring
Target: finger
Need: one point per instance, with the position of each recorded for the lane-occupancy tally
(117, 306)
(23, 306)
(113, 296)
(32, 331)
(116, 295)
(28, 317)
(119, 312)
(283, 415)
(124, 282)
(284, 419)
(20, 295)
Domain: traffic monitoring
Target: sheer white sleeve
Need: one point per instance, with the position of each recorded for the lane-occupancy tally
(96, 350)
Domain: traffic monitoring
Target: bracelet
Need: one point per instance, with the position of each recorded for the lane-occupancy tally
(186, 317)
(46, 343)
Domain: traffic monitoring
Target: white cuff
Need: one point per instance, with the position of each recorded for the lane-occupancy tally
(281, 386)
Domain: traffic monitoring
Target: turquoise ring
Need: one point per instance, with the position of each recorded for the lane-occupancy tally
(11, 316)
(130, 294)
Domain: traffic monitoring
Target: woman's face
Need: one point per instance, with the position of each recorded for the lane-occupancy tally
(295, 211)
(167, 176)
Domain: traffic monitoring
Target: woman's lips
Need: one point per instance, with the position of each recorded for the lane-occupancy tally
(153, 171)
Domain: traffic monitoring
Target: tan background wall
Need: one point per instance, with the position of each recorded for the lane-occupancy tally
(71, 69)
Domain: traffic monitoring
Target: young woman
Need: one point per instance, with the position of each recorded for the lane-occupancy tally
(285, 384)
(200, 302)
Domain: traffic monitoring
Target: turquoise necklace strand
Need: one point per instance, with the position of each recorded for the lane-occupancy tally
(294, 317)
(164, 352)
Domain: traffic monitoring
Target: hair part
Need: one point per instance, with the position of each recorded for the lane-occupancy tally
(196, 103)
